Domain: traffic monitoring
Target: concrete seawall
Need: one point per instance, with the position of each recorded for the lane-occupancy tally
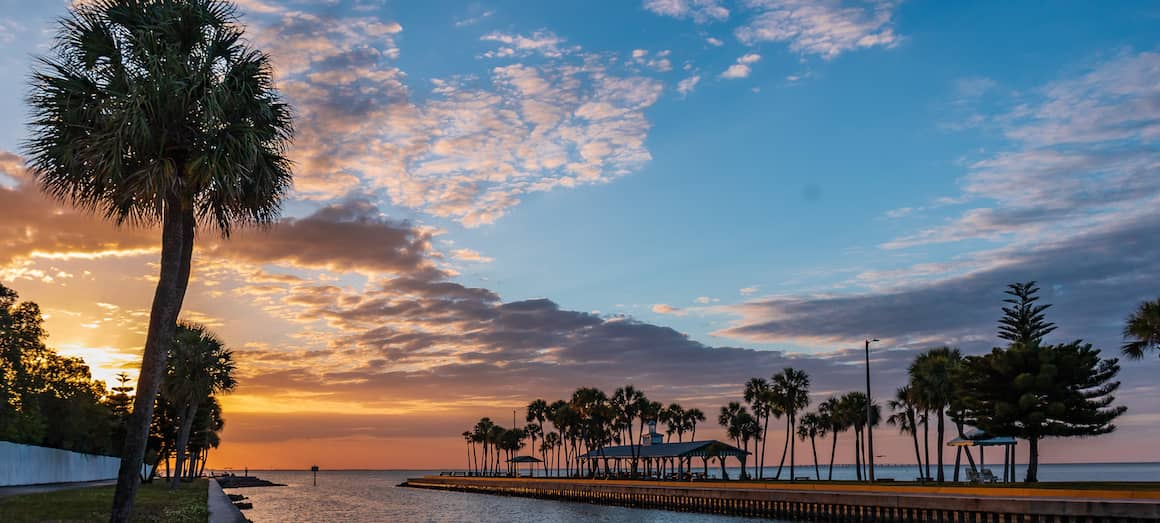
(839, 503)
(32, 465)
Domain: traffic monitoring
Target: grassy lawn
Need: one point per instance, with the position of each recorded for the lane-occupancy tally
(155, 503)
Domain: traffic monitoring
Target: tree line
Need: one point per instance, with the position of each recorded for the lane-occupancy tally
(1028, 390)
(53, 401)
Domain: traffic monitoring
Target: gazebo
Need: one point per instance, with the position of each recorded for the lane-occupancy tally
(530, 460)
(978, 438)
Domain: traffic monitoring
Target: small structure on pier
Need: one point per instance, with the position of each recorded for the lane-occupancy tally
(978, 438)
(656, 456)
(529, 460)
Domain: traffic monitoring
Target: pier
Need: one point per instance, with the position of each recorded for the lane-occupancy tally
(830, 503)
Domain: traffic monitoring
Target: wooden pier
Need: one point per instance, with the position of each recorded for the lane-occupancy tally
(830, 503)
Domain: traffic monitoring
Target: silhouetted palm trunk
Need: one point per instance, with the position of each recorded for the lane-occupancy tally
(764, 444)
(784, 449)
(939, 450)
(172, 280)
(792, 445)
(857, 455)
(814, 448)
(926, 441)
(183, 442)
(833, 452)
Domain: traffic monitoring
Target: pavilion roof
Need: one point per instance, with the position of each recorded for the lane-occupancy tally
(698, 449)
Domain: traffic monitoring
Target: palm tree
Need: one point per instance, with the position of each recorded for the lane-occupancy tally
(791, 390)
(836, 422)
(904, 406)
(199, 366)
(629, 402)
(537, 413)
(693, 416)
(1142, 330)
(109, 135)
(931, 377)
(763, 402)
(811, 427)
(726, 416)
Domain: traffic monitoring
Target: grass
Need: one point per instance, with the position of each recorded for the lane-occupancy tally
(155, 503)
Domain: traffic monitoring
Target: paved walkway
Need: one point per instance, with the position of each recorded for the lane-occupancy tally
(50, 487)
(221, 509)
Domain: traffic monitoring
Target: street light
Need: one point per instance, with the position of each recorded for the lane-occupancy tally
(869, 419)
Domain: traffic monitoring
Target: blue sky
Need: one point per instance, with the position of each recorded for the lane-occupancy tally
(779, 175)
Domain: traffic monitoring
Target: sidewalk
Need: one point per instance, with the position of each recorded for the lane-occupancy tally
(221, 509)
(50, 487)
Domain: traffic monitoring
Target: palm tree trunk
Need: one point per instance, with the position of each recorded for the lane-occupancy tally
(764, 444)
(183, 442)
(833, 452)
(792, 445)
(814, 448)
(857, 455)
(784, 449)
(172, 280)
(912, 419)
(926, 441)
(939, 450)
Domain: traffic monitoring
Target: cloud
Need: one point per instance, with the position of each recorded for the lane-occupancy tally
(714, 42)
(662, 308)
(705, 300)
(825, 28)
(543, 43)
(659, 62)
(741, 68)
(1082, 152)
(748, 291)
(473, 147)
(688, 85)
(700, 11)
(1094, 280)
(469, 255)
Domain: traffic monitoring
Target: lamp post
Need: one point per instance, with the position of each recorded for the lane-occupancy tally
(869, 420)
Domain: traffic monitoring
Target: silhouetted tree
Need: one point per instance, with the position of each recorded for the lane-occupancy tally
(159, 112)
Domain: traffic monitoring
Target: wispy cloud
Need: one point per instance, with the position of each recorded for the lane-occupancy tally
(1082, 152)
(700, 11)
(824, 28)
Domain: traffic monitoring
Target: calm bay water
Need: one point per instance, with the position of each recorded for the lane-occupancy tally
(358, 496)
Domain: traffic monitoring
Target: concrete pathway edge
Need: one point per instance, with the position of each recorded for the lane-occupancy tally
(221, 509)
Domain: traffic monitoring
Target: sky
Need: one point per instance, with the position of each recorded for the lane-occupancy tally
(502, 200)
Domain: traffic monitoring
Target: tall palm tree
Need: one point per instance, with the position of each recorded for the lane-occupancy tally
(628, 402)
(111, 135)
(904, 405)
(1142, 330)
(791, 389)
(726, 416)
(811, 426)
(537, 413)
(763, 402)
(199, 366)
(836, 421)
(931, 378)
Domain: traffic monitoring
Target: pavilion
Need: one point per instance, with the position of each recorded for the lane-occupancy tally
(655, 458)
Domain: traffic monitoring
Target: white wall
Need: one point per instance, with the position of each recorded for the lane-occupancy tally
(30, 465)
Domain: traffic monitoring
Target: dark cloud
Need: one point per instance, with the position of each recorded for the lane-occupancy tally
(1094, 280)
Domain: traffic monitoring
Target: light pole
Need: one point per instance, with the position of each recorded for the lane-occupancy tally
(869, 420)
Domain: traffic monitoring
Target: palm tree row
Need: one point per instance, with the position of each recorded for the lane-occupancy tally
(589, 421)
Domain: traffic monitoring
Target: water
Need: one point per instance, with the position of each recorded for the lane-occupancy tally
(357, 496)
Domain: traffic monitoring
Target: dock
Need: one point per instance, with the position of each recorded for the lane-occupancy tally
(830, 502)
